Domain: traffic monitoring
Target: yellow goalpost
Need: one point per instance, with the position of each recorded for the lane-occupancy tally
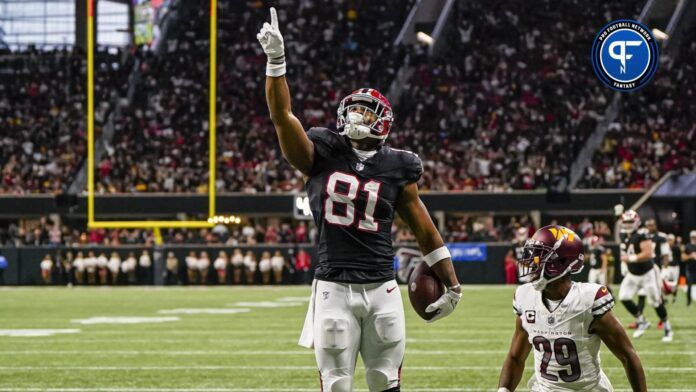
(91, 221)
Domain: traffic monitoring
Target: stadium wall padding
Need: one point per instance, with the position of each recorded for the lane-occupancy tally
(24, 262)
(156, 206)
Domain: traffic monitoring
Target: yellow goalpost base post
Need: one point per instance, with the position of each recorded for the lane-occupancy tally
(212, 131)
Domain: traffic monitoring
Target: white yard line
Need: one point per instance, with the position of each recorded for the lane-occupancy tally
(651, 369)
(129, 389)
(176, 353)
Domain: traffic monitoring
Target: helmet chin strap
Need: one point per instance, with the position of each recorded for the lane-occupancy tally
(542, 282)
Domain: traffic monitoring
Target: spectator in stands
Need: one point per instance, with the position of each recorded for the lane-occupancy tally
(250, 265)
(220, 266)
(47, 269)
(237, 261)
(171, 271)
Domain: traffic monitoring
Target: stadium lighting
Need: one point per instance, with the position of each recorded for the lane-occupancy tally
(425, 38)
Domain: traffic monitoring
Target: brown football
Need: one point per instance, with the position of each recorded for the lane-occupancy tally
(424, 288)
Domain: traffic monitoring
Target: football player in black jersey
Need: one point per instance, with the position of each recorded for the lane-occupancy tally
(637, 253)
(689, 259)
(597, 260)
(661, 255)
(355, 185)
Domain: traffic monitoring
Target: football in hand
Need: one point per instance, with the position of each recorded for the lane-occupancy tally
(424, 288)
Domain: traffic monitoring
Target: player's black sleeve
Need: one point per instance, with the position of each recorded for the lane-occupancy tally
(326, 143)
(413, 167)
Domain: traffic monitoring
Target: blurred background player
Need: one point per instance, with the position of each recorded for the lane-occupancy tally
(355, 185)
(597, 260)
(637, 253)
(670, 271)
(689, 258)
(564, 322)
(515, 254)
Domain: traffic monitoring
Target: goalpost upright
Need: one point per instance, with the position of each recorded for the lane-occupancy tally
(212, 117)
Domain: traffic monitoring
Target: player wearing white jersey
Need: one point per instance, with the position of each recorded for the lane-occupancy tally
(564, 322)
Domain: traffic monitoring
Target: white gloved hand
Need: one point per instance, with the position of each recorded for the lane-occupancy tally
(272, 43)
(444, 305)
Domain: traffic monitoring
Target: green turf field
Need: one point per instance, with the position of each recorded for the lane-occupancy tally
(257, 351)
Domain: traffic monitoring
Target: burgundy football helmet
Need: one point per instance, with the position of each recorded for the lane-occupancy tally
(553, 252)
(365, 113)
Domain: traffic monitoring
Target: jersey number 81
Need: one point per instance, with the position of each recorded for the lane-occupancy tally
(347, 198)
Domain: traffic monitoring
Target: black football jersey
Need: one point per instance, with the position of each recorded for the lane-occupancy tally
(518, 250)
(631, 245)
(596, 257)
(353, 203)
(658, 240)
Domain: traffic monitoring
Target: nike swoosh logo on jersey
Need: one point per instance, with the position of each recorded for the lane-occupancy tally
(390, 290)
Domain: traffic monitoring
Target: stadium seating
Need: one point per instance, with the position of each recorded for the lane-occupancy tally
(42, 114)
(655, 131)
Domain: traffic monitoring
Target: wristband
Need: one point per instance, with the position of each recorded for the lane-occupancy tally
(275, 70)
(437, 255)
(502, 389)
(456, 286)
(632, 258)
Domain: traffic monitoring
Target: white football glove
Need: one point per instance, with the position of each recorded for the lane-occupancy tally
(272, 43)
(444, 305)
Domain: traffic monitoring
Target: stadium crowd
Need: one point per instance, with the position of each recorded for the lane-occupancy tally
(269, 231)
(42, 114)
(509, 116)
(656, 128)
(163, 145)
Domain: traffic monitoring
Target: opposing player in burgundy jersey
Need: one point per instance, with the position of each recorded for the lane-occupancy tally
(356, 184)
(564, 322)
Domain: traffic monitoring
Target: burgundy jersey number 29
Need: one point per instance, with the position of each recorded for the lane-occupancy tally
(566, 354)
(347, 198)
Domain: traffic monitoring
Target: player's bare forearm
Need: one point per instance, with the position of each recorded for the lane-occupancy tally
(608, 328)
(413, 212)
(294, 143)
(513, 367)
